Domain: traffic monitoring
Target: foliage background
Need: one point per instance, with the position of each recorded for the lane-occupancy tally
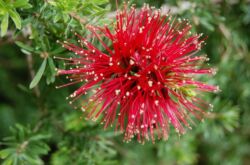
(39, 127)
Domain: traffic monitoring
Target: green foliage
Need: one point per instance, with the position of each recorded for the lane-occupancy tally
(85, 153)
(24, 147)
(39, 74)
(186, 155)
(59, 135)
(9, 9)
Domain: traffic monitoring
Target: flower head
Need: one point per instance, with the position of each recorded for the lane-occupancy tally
(143, 82)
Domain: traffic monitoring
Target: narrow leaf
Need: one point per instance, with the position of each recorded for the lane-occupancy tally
(2, 4)
(16, 18)
(39, 137)
(57, 51)
(52, 66)
(24, 46)
(6, 152)
(4, 24)
(22, 4)
(39, 74)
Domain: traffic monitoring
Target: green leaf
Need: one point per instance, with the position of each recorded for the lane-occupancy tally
(25, 52)
(8, 161)
(57, 51)
(22, 4)
(2, 4)
(56, 18)
(24, 46)
(39, 74)
(39, 137)
(4, 24)
(52, 66)
(16, 18)
(207, 24)
(6, 152)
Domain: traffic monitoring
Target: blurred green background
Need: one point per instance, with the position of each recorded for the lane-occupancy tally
(39, 127)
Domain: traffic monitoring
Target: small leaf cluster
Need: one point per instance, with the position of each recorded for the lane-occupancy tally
(24, 147)
(8, 9)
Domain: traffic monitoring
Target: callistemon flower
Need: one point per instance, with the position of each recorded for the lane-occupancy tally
(143, 80)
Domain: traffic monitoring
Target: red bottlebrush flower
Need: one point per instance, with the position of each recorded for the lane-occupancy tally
(144, 81)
